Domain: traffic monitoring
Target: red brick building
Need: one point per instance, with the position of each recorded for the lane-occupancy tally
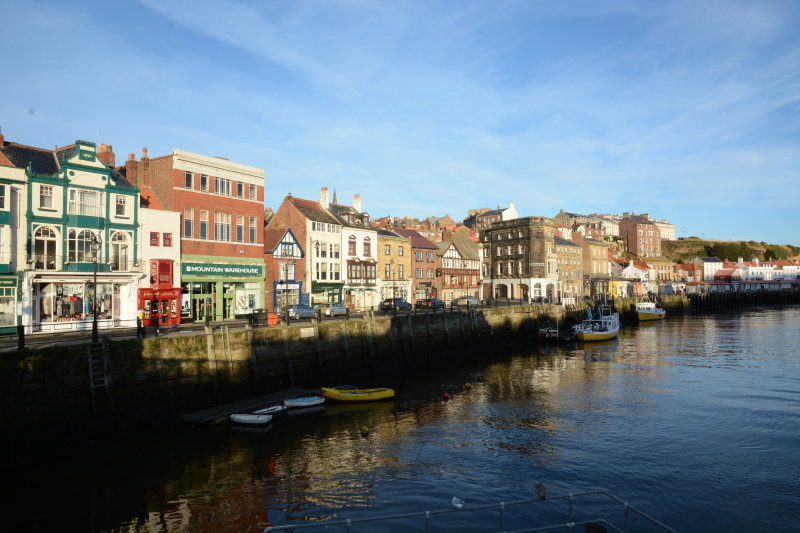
(426, 262)
(642, 236)
(222, 248)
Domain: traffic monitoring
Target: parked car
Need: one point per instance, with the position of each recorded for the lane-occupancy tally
(400, 304)
(464, 301)
(334, 309)
(429, 303)
(299, 311)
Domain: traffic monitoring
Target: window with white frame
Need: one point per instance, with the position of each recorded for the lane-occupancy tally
(222, 186)
(239, 189)
(239, 228)
(119, 251)
(188, 222)
(203, 226)
(187, 180)
(45, 196)
(252, 229)
(83, 202)
(203, 182)
(253, 192)
(222, 226)
(79, 247)
(121, 206)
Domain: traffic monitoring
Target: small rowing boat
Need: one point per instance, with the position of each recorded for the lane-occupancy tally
(252, 419)
(304, 401)
(357, 395)
(274, 410)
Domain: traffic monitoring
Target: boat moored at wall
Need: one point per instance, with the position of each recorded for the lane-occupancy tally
(604, 325)
(649, 311)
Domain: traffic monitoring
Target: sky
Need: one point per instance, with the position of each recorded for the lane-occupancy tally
(688, 111)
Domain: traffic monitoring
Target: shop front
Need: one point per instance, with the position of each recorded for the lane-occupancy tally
(161, 301)
(322, 293)
(286, 294)
(220, 291)
(8, 304)
(65, 301)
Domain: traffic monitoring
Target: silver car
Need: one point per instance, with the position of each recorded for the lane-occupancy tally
(464, 301)
(299, 311)
(334, 309)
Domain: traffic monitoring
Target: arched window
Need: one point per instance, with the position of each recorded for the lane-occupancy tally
(44, 248)
(79, 247)
(119, 251)
(367, 247)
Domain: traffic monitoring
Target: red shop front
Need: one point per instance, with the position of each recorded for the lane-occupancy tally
(161, 302)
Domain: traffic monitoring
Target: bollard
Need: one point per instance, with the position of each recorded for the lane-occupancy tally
(21, 337)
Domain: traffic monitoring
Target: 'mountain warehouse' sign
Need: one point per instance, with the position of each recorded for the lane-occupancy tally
(209, 269)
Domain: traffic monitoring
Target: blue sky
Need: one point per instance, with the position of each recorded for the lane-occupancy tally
(689, 111)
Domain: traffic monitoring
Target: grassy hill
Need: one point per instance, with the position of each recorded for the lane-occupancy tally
(683, 251)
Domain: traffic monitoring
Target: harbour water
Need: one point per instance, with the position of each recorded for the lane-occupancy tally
(694, 420)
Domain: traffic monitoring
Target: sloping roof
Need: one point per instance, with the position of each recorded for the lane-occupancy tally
(638, 263)
(724, 272)
(640, 219)
(443, 246)
(273, 237)
(465, 246)
(417, 240)
(565, 242)
(710, 260)
(688, 266)
(490, 213)
(312, 210)
(42, 160)
(343, 212)
(389, 233)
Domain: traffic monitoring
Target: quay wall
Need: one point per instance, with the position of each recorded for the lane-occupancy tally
(166, 376)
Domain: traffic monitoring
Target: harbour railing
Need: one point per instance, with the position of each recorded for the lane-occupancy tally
(426, 518)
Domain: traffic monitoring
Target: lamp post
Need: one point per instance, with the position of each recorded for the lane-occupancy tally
(95, 246)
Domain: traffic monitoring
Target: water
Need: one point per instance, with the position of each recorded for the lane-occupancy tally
(694, 420)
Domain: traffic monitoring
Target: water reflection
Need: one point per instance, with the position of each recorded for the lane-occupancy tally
(707, 404)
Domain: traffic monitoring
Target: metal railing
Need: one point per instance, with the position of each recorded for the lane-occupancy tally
(569, 525)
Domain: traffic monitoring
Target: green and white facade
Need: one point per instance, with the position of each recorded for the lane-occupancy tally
(77, 202)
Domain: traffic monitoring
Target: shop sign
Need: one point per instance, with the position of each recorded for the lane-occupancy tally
(159, 293)
(8, 282)
(210, 269)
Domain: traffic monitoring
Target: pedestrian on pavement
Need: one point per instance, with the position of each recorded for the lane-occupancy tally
(140, 331)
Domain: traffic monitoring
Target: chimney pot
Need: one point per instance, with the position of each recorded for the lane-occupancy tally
(144, 152)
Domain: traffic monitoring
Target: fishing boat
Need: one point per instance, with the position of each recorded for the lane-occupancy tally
(602, 326)
(649, 311)
(343, 394)
(304, 401)
(252, 419)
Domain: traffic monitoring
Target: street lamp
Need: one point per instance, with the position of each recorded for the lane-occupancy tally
(95, 247)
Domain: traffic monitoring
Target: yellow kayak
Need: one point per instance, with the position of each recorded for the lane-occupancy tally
(357, 395)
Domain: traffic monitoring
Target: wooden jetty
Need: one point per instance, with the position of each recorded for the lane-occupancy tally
(221, 413)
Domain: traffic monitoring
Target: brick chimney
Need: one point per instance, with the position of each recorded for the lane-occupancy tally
(105, 153)
(144, 169)
(132, 169)
(357, 203)
(323, 197)
(2, 139)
